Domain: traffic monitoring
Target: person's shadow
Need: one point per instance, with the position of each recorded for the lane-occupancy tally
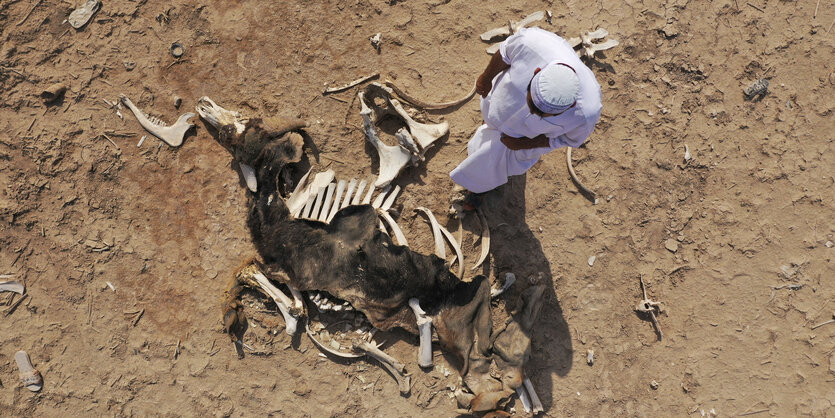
(514, 248)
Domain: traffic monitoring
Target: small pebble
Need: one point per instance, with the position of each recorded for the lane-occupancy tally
(653, 385)
(591, 260)
(671, 245)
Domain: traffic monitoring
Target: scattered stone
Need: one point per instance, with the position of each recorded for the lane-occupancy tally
(653, 385)
(592, 260)
(377, 41)
(671, 245)
(177, 102)
(80, 16)
(129, 65)
(757, 88)
(53, 93)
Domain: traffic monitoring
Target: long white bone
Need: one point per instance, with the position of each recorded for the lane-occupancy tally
(367, 199)
(360, 188)
(424, 323)
(398, 233)
(299, 199)
(317, 206)
(378, 201)
(456, 247)
(390, 200)
(352, 185)
(588, 47)
(340, 188)
(172, 135)
(298, 299)
(394, 367)
(440, 249)
(324, 347)
(249, 177)
(523, 396)
(281, 300)
(296, 201)
(323, 216)
(13, 286)
(308, 207)
(393, 159)
(485, 239)
(536, 405)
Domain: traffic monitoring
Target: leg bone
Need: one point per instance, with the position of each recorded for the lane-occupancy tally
(424, 323)
(394, 367)
(281, 300)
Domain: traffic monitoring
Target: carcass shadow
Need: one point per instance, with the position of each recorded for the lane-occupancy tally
(515, 248)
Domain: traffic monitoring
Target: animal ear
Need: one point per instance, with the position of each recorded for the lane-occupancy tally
(294, 147)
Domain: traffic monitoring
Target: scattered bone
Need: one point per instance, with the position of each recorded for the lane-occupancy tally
(308, 207)
(80, 16)
(814, 327)
(425, 134)
(646, 305)
(496, 34)
(141, 141)
(323, 216)
(429, 105)
(456, 247)
(12, 286)
(405, 139)
(592, 259)
(500, 33)
(393, 159)
(440, 248)
(351, 84)
(590, 357)
(757, 88)
(424, 324)
(295, 200)
(587, 44)
(583, 189)
(299, 199)
(398, 233)
(509, 279)
(485, 239)
(172, 135)
(281, 300)
(53, 92)
(360, 188)
(377, 41)
(324, 347)
(396, 368)
(351, 187)
(687, 156)
(340, 188)
(523, 396)
(536, 404)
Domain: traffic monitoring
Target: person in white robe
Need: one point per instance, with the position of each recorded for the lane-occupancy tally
(537, 96)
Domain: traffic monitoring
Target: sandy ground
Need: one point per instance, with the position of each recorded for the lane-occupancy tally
(736, 243)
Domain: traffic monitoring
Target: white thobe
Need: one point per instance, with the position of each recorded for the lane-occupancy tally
(505, 110)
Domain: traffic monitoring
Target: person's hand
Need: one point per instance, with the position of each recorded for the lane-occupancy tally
(483, 85)
(512, 143)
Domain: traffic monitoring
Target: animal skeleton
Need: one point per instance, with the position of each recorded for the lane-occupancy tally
(512, 27)
(587, 44)
(172, 135)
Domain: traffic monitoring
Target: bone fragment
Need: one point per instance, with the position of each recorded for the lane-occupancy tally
(326, 348)
(492, 49)
(351, 84)
(647, 305)
(583, 189)
(440, 249)
(398, 233)
(497, 33)
(316, 297)
(360, 188)
(393, 159)
(404, 138)
(172, 135)
(509, 279)
(281, 300)
(352, 185)
(323, 216)
(394, 367)
(429, 105)
(12, 286)
(424, 323)
(527, 20)
(378, 201)
(367, 199)
(249, 176)
(298, 299)
(536, 404)
(485, 238)
(317, 206)
(219, 117)
(390, 199)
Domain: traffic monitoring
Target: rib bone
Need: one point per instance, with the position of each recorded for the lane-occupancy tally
(523, 396)
(360, 188)
(317, 206)
(326, 348)
(378, 201)
(394, 367)
(456, 247)
(367, 199)
(12, 286)
(398, 233)
(296, 201)
(351, 187)
(424, 323)
(485, 239)
(172, 135)
(300, 199)
(390, 200)
(393, 159)
(323, 216)
(440, 249)
(281, 300)
(340, 188)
